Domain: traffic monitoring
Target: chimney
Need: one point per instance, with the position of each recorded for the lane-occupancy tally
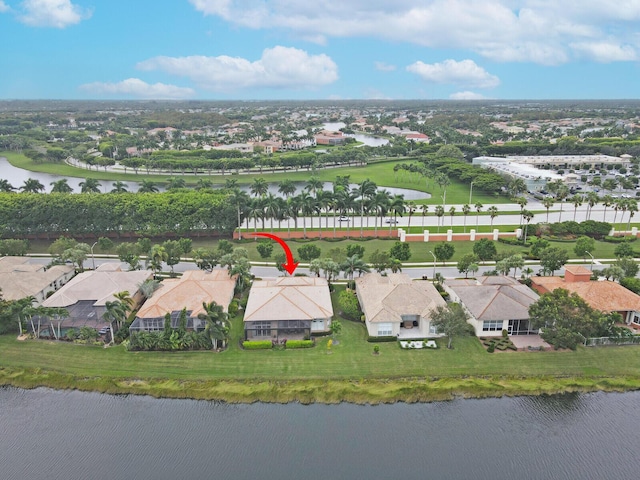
(575, 273)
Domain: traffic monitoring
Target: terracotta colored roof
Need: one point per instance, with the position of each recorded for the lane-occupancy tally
(602, 295)
(386, 299)
(495, 298)
(289, 298)
(577, 270)
(190, 291)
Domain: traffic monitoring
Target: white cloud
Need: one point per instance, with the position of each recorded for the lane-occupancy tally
(541, 31)
(384, 67)
(465, 72)
(52, 13)
(606, 52)
(3, 7)
(279, 67)
(134, 87)
(467, 95)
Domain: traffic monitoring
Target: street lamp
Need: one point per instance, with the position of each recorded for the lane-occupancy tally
(93, 259)
(470, 192)
(434, 265)
(590, 268)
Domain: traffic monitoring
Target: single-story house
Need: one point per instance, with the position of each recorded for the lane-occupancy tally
(21, 279)
(85, 296)
(288, 307)
(605, 296)
(494, 303)
(189, 292)
(396, 306)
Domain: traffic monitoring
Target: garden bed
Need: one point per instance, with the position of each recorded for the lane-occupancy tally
(499, 343)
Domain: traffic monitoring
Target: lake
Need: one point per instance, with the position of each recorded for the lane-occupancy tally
(74, 435)
(17, 176)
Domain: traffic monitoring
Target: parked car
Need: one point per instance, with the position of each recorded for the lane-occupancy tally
(391, 221)
(344, 218)
(103, 330)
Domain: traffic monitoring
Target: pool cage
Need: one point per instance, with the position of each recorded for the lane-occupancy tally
(156, 324)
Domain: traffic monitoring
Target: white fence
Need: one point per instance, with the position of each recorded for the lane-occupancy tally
(604, 341)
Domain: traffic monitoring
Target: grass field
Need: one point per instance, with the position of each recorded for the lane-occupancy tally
(380, 172)
(349, 372)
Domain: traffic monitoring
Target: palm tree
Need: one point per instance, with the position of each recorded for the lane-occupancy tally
(411, 209)
(479, 207)
(61, 186)
(397, 207)
(632, 206)
(577, 201)
(5, 186)
(452, 212)
(425, 210)
(175, 183)
(395, 265)
(204, 184)
(115, 312)
(592, 201)
(255, 212)
(217, 326)
(271, 207)
(90, 185)
(148, 186)
(259, 187)
(313, 186)
(119, 187)
(352, 265)
(561, 194)
(493, 212)
(287, 188)
(148, 287)
(307, 206)
(239, 199)
(32, 185)
(465, 211)
(124, 297)
(548, 203)
(527, 216)
(607, 201)
(364, 191)
(439, 214)
(157, 256)
(522, 201)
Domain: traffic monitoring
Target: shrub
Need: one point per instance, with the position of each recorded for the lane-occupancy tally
(348, 304)
(505, 334)
(376, 349)
(381, 339)
(491, 348)
(619, 239)
(233, 308)
(257, 344)
(300, 344)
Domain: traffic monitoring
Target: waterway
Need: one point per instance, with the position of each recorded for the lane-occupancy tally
(17, 176)
(74, 435)
(369, 140)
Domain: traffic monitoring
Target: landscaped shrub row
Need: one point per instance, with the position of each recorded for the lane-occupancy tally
(300, 343)
(256, 344)
(619, 239)
(381, 339)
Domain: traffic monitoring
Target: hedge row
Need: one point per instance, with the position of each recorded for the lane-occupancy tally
(256, 344)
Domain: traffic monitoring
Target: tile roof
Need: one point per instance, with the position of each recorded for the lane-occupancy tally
(190, 291)
(289, 298)
(386, 299)
(99, 286)
(494, 297)
(20, 279)
(602, 295)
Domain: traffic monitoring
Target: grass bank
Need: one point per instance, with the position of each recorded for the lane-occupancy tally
(349, 372)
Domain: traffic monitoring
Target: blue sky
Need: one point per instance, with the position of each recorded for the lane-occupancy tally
(295, 49)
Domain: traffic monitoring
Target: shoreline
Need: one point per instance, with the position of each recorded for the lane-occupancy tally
(359, 392)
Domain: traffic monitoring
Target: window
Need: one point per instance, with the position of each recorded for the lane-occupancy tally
(433, 330)
(385, 330)
(492, 325)
(262, 329)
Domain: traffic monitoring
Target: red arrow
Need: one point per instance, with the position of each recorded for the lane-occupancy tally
(290, 266)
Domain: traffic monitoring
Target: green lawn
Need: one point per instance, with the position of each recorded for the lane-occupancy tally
(380, 172)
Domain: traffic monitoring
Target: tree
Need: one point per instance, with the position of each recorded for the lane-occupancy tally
(265, 248)
(119, 187)
(157, 257)
(77, 254)
(205, 258)
(61, 186)
(566, 319)
(401, 251)
(628, 266)
(548, 203)
(450, 320)
(115, 312)
(147, 186)
(309, 252)
(485, 249)
(217, 326)
(584, 245)
(527, 217)
(466, 263)
(355, 249)
(32, 185)
(623, 250)
(439, 214)
(538, 246)
(465, 211)
(173, 250)
(553, 258)
(352, 265)
(444, 251)
(380, 261)
(90, 185)
(493, 213)
(129, 253)
(5, 186)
